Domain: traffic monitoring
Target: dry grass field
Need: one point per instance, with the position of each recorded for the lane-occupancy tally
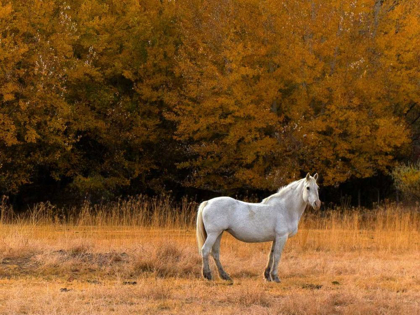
(120, 259)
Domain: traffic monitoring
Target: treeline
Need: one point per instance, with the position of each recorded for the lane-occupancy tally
(106, 97)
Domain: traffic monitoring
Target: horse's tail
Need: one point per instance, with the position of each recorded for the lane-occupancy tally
(201, 231)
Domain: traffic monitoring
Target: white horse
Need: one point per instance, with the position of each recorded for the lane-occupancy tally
(275, 219)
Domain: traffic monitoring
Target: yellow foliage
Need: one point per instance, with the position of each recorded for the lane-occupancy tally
(219, 95)
(407, 180)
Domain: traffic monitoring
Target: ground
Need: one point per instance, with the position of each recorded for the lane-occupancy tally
(103, 270)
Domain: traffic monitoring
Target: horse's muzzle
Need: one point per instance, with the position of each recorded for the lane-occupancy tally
(317, 204)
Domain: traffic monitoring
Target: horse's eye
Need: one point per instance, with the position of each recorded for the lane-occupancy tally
(307, 188)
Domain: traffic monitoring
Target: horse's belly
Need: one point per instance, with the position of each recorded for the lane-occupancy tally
(252, 235)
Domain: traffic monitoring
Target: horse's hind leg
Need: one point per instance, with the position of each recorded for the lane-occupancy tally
(215, 252)
(205, 252)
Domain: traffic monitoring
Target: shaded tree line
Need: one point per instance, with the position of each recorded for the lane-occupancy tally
(101, 98)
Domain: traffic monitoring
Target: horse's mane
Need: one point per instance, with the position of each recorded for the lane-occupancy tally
(283, 190)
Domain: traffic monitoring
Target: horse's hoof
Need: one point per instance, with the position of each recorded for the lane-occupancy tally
(207, 275)
(267, 276)
(275, 279)
(226, 277)
(268, 279)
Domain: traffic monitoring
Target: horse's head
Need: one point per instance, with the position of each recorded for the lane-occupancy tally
(310, 191)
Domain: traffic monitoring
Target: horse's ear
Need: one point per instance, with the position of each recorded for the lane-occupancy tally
(316, 176)
(308, 176)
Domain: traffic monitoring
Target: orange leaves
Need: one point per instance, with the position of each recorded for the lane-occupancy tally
(7, 130)
(8, 91)
(314, 64)
(216, 95)
(31, 135)
(5, 11)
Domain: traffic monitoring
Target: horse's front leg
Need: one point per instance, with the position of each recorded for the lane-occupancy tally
(267, 271)
(278, 246)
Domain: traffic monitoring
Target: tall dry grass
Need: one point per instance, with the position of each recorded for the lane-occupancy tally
(140, 210)
(390, 227)
(138, 256)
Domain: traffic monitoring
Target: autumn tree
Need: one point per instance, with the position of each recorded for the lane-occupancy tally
(82, 89)
(35, 52)
(352, 129)
(274, 89)
(102, 97)
(233, 138)
(127, 52)
(407, 180)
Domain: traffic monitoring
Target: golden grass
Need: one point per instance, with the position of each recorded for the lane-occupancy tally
(97, 261)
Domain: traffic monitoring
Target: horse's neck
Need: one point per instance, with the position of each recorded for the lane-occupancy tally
(291, 202)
